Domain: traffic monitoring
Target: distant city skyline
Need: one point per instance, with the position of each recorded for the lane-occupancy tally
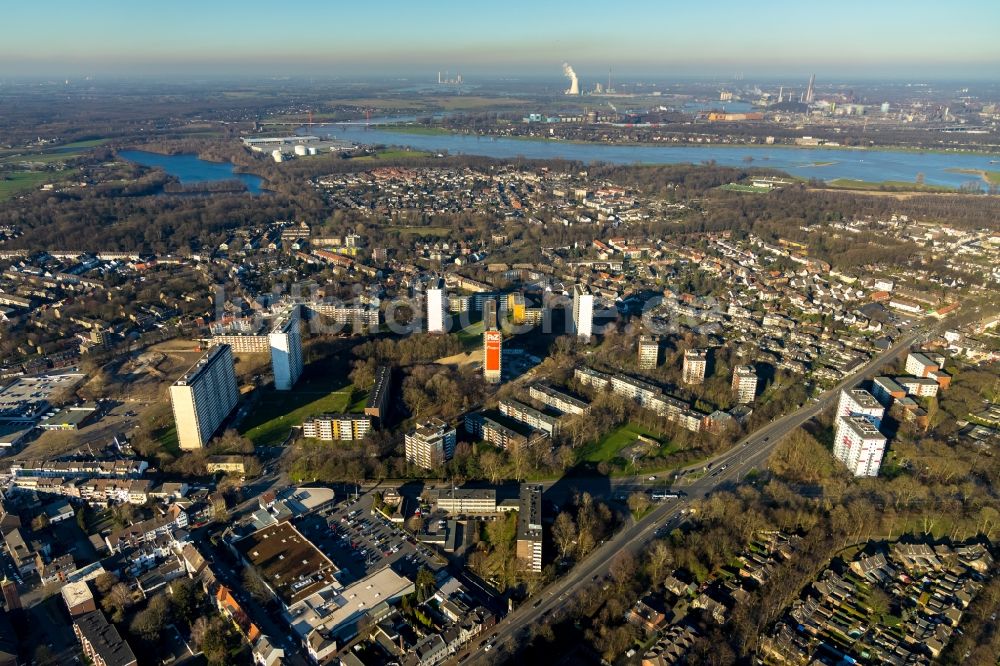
(913, 39)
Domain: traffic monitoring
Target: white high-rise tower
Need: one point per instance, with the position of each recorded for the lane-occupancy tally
(285, 341)
(583, 312)
(435, 307)
(204, 396)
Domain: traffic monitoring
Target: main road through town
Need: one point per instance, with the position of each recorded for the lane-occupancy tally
(727, 469)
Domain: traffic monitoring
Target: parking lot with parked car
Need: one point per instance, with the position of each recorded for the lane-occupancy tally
(360, 542)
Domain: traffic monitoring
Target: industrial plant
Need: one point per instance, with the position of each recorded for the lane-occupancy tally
(574, 82)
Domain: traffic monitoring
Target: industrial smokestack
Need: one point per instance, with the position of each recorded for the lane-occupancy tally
(574, 85)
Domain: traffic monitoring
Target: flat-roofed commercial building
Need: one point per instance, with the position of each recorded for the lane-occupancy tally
(430, 444)
(69, 418)
(470, 501)
(558, 400)
(337, 427)
(529, 528)
(285, 342)
(327, 619)
(204, 396)
(288, 563)
(230, 464)
(261, 142)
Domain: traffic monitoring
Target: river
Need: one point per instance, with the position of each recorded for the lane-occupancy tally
(823, 163)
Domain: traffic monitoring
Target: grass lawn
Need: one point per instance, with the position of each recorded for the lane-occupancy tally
(737, 187)
(98, 521)
(887, 185)
(476, 102)
(440, 232)
(991, 177)
(89, 143)
(392, 155)
(417, 129)
(471, 336)
(167, 437)
(19, 181)
(608, 447)
(43, 158)
(378, 103)
(277, 411)
(50, 154)
(360, 398)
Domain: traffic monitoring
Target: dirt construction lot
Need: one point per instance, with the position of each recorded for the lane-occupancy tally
(135, 384)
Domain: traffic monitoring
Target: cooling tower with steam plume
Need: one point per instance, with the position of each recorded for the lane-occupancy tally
(574, 83)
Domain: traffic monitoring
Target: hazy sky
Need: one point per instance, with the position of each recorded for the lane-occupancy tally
(906, 38)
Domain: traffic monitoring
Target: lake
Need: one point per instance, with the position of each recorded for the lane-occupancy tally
(822, 163)
(191, 169)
